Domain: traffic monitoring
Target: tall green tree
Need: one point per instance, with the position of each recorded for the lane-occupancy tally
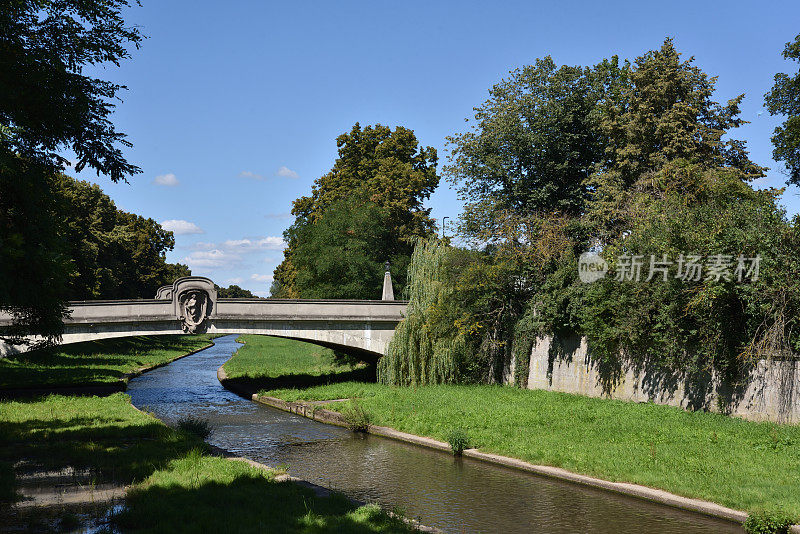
(342, 253)
(784, 99)
(524, 168)
(665, 113)
(33, 268)
(47, 105)
(377, 165)
(534, 143)
(109, 253)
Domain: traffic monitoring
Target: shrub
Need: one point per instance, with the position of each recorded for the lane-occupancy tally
(356, 418)
(458, 441)
(198, 427)
(768, 522)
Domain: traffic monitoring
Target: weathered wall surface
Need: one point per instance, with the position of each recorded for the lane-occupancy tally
(769, 394)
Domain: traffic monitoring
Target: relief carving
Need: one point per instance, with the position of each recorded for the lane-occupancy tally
(195, 308)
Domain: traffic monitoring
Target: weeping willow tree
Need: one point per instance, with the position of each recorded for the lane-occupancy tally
(422, 351)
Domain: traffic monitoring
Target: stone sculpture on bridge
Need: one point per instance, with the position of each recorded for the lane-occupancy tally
(193, 304)
(195, 300)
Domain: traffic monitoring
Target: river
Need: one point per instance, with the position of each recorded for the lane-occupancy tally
(455, 495)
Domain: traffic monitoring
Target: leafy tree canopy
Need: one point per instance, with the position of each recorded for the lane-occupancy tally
(48, 105)
(665, 113)
(385, 166)
(110, 254)
(377, 169)
(784, 99)
(342, 253)
(234, 292)
(536, 140)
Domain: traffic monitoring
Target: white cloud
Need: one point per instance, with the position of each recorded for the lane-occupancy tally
(252, 175)
(236, 280)
(168, 180)
(286, 172)
(232, 243)
(211, 258)
(248, 245)
(181, 227)
(261, 277)
(231, 253)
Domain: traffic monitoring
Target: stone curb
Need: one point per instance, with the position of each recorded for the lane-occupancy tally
(632, 490)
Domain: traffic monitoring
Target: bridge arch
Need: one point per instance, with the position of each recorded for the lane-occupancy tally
(191, 305)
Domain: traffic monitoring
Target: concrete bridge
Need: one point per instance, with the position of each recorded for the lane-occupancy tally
(190, 305)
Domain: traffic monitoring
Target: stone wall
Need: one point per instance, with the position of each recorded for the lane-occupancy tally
(770, 392)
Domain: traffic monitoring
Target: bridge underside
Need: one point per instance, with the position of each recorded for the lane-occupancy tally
(366, 339)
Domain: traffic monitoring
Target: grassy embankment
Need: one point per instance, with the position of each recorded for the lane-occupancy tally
(101, 362)
(177, 485)
(269, 362)
(736, 463)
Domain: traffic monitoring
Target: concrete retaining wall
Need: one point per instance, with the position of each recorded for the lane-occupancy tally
(770, 392)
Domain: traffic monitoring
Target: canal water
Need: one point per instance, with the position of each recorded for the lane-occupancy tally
(455, 495)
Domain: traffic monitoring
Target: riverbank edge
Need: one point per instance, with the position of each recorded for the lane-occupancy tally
(103, 390)
(99, 390)
(319, 491)
(322, 415)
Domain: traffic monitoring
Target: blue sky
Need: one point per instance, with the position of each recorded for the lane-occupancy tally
(234, 107)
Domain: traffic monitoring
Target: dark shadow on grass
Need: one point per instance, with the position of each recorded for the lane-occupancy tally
(246, 504)
(300, 381)
(86, 364)
(113, 450)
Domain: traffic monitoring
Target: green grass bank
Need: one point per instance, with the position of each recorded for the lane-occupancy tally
(265, 362)
(175, 483)
(207, 494)
(93, 363)
(740, 464)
